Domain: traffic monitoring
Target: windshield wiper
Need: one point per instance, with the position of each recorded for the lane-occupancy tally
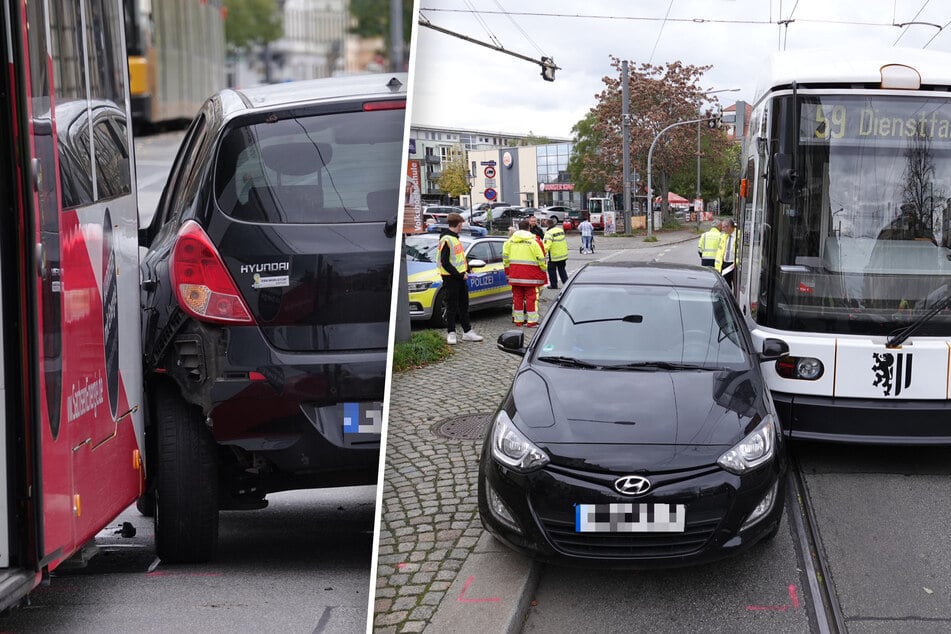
(631, 319)
(900, 335)
(658, 365)
(569, 361)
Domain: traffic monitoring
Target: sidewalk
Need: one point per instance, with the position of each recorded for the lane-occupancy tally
(438, 570)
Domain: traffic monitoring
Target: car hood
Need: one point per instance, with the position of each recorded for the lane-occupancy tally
(687, 409)
(419, 271)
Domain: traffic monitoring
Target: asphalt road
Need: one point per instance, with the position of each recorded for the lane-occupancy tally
(301, 565)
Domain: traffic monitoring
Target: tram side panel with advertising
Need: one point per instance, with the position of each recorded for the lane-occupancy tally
(176, 52)
(70, 381)
(846, 242)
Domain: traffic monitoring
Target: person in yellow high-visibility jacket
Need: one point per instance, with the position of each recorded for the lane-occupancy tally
(709, 244)
(725, 261)
(556, 245)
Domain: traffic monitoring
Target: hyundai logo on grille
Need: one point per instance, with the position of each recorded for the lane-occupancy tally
(632, 485)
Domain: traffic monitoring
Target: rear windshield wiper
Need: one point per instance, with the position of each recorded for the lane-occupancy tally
(569, 361)
(900, 335)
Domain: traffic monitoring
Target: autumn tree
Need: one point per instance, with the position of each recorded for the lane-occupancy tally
(453, 179)
(659, 96)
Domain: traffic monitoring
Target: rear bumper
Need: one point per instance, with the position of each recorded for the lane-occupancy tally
(864, 421)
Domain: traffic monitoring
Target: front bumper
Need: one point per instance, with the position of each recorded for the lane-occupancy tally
(543, 505)
(864, 421)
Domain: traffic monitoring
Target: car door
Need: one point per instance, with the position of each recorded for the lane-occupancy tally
(481, 279)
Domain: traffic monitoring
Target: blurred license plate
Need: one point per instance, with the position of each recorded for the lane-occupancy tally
(630, 518)
(362, 418)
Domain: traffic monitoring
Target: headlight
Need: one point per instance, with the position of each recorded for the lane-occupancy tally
(418, 287)
(512, 448)
(752, 451)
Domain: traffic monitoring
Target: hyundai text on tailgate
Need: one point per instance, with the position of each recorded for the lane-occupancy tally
(266, 301)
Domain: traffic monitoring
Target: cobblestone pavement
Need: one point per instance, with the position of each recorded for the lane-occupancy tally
(430, 522)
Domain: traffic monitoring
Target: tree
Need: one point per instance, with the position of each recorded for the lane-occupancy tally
(532, 139)
(659, 96)
(372, 19)
(453, 179)
(584, 164)
(252, 22)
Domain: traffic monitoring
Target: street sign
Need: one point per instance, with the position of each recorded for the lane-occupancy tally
(490, 194)
(489, 172)
(490, 183)
(487, 163)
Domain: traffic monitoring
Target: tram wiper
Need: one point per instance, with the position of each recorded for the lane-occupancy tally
(899, 336)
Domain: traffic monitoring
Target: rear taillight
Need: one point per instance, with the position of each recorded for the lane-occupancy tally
(203, 287)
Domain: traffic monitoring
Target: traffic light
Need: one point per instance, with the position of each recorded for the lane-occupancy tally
(548, 69)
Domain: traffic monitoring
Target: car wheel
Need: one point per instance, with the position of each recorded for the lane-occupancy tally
(186, 491)
(146, 504)
(438, 319)
(555, 218)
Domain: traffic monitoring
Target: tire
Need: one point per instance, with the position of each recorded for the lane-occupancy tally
(186, 486)
(146, 504)
(438, 320)
(555, 218)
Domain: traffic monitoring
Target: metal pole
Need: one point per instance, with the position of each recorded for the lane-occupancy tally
(396, 36)
(650, 154)
(626, 144)
(697, 197)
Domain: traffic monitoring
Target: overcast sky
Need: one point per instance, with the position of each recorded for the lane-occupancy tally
(459, 84)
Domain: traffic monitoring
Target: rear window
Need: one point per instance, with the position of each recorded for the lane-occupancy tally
(330, 168)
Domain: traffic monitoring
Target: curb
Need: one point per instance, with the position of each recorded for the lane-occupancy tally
(492, 592)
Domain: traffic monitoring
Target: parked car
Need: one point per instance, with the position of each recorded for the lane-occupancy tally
(266, 301)
(503, 216)
(466, 229)
(638, 431)
(558, 213)
(488, 285)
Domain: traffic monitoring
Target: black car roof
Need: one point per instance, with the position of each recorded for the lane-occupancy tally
(370, 86)
(647, 274)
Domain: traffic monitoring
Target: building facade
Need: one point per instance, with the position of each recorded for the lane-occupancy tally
(530, 176)
(435, 148)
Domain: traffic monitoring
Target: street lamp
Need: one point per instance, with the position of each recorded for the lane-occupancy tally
(650, 154)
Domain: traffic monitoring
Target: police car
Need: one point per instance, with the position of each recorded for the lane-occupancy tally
(488, 285)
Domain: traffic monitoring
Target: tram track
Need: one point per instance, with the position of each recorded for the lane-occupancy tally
(824, 602)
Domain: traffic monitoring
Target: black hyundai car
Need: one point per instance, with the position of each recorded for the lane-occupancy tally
(638, 431)
(266, 301)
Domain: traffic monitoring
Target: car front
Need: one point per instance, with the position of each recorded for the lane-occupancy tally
(637, 432)
(422, 274)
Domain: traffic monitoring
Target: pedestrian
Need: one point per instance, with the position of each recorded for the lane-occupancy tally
(524, 262)
(726, 253)
(587, 235)
(455, 274)
(534, 228)
(556, 245)
(708, 245)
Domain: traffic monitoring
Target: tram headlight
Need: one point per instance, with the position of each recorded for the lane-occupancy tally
(803, 368)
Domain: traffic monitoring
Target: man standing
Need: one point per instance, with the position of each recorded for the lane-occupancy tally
(455, 273)
(524, 261)
(708, 245)
(726, 252)
(556, 245)
(535, 229)
(587, 235)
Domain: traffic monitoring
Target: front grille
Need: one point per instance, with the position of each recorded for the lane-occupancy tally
(697, 532)
(629, 545)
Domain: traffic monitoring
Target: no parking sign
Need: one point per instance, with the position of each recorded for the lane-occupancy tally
(490, 194)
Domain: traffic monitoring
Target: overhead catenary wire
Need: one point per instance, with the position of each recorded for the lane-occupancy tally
(484, 24)
(520, 29)
(660, 32)
(905, 30)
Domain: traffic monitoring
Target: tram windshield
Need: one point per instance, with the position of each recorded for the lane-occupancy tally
(865, 246)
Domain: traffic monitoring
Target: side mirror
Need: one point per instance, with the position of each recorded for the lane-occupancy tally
(773, 349)
(785, 178)
(513, 342)
(476, 263)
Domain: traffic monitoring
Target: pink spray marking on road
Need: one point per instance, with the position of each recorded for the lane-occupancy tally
(464, 599)
(793, 603)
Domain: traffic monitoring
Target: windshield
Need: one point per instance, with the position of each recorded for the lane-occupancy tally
(425, 248)
(866, 244)
(618, 325)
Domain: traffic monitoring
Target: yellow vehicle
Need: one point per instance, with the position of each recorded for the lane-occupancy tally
(488, 285)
